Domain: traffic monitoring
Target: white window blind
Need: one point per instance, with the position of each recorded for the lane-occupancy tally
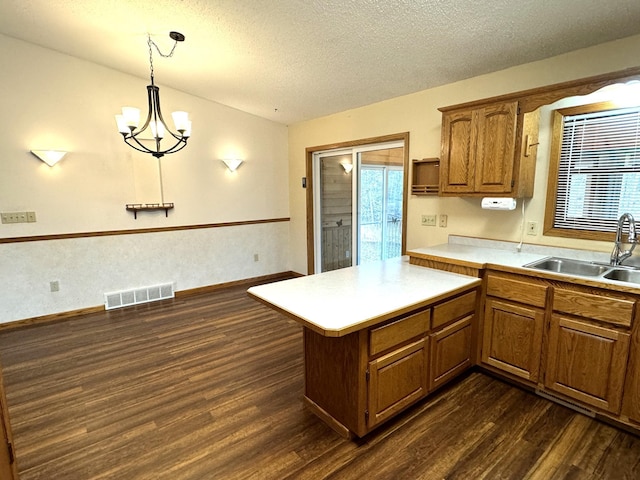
(599, 170)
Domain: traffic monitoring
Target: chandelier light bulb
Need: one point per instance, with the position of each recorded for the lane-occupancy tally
(131, 116)
(180, 120)
(122, 125)
(157, 129)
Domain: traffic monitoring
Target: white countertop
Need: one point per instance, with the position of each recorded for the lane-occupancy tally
(481, 253)
(480, 256)
(343, 301)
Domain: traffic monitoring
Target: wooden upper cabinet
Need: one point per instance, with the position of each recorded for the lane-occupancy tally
(478, 149)
(490, 148)
(495, 148)
(457, 164)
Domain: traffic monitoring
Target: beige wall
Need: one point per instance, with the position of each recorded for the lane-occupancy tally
(417, 113)
(50, 100)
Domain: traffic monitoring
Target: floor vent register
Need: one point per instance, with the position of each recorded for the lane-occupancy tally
(136, 296)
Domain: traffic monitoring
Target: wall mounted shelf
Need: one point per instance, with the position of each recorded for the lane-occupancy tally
(148, 207)
(426, 176)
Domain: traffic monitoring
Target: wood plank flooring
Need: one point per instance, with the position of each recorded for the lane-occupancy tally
(210, 386)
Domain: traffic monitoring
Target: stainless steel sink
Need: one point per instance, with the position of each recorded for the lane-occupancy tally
(584, 268)
(569, 266)
(623, 275)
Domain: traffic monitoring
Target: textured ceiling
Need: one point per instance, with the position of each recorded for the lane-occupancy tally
(293, 60)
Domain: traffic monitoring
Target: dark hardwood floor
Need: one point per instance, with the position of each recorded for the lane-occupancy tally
(210, 387)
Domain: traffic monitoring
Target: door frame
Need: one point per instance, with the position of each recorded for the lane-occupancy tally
(404, 137)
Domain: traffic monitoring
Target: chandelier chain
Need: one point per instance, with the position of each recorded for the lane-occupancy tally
(150, 43)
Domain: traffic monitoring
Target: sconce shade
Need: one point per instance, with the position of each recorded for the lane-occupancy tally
(347, 167)
(50, 157)
(232, 163)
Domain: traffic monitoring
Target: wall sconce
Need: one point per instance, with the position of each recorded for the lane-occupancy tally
(232, 163)
(50, 157)
(347, 167)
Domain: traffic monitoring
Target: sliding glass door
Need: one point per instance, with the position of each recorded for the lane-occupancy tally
(358, 205)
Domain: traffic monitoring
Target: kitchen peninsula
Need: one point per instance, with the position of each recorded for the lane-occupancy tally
(377, 337)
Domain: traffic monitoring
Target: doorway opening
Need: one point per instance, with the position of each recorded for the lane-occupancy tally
(356, 202)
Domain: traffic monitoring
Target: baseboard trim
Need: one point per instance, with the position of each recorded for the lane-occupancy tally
(57, 317)
(44, 319)
(238, 283)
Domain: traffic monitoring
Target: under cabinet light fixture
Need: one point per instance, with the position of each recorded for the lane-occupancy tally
(232, 163)
(50, 157)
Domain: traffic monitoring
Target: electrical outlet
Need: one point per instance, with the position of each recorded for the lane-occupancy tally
(443, 220)
(256, 257)
(17, 217)
(54, 286)
(429, 220)
(532, 228)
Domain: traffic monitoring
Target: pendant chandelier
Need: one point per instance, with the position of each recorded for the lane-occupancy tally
(154, 127)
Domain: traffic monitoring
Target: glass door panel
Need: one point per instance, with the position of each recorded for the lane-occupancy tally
(371, 214)
(335, 212)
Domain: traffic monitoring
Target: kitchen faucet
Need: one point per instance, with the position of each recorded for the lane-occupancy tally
(619, 255)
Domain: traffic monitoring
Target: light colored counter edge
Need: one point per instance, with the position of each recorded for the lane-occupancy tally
(473, 283)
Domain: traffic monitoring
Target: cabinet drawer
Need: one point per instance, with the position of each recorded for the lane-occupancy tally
(533, 294)
(454, 309)
(607, 309)
(392, 334)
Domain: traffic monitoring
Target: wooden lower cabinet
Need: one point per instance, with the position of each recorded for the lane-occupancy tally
(512, 339)
(8, 467)
(587, 362)
(450, 352)
(356, 382)
(631, 400)
(577, 342)
(396, 380)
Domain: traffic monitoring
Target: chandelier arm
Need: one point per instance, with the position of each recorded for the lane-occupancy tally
(157, 112)
(141, 148)
(150, 88)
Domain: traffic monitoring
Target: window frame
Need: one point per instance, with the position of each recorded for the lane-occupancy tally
(554, 167)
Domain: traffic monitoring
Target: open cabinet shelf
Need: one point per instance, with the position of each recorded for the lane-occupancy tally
(426, 176)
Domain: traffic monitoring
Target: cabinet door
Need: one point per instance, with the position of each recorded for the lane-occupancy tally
(587, 362)
(512, 339)
(495, 148)
(450, 352)
(631, 401)
(396, 380)
(457, 168)
(8, 468)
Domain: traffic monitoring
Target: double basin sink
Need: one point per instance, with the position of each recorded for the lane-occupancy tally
(584, 268)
